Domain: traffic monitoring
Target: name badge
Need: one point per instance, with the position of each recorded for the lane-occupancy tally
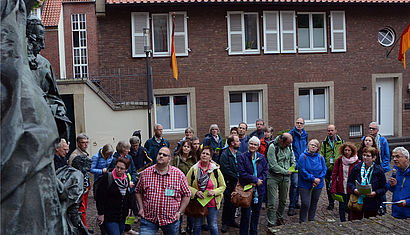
(331, 160)
(169, 192)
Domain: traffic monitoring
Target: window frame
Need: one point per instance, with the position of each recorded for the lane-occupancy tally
(330, 118)
(191, 107)
(244, 107)
(266, 32)
(263, 102)
(79, 48)
(242, 33)
(134, 34)
(171, 112)
(168, 52)
(311, 48)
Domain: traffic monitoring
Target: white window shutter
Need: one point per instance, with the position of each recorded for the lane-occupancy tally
(271, 32)
(338, 31)
(287, 32)
(235, 33)
(139, 21)
(181, 34)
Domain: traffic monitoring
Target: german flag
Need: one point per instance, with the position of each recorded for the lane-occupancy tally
(174, 66)
(404, 45)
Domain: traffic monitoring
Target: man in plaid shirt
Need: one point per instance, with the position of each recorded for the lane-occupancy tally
(162, 195)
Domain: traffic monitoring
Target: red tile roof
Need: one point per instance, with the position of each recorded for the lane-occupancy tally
(246, 1)
(50, 13)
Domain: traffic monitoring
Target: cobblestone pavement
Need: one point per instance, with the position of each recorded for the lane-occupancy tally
(327, 222)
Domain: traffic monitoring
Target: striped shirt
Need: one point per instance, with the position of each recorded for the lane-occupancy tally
(158, 207)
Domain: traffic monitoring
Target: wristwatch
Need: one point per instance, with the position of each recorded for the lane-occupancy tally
(181, 213)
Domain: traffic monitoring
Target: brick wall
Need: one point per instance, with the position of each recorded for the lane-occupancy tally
(50, 51)
(92, 35)
(209, 68)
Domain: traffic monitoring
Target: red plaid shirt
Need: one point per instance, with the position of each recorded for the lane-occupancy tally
(159, 208)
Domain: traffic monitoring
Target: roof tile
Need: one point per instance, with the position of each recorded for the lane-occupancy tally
(50, 14)
(242, 1)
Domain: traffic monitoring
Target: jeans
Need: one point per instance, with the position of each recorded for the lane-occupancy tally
(189, 220)
(328, 182)
(276, 184)
(212, 223)
(293, 191)
(114, 228)
(343, 208)
(254, 218)
(147, 227)
(309, 199)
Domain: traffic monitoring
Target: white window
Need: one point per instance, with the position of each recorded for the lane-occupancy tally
(245, 107)
(139, 21)
(161, 33)
(313, 105)
(172, 112)
(36, 12)
(311, 32)
(338, 31)
(271, 32)
(287, 32)
(80, 58)
(243, 33)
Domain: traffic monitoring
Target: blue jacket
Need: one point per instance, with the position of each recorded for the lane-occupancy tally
(378, 181)
(141, 159)
(401, 192)
(131, 169)
(99, 163)
(310, 167)
(153, 147)
(210, 141)
(300, 142)
(246, 171)
(384, 154)
(244, 145)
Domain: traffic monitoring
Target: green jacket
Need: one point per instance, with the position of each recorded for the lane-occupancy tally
(183, 165)
(328, 152)
(193, 185)
(279, 160)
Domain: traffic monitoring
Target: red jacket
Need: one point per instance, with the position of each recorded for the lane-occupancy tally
(263, 148)
(337, 173)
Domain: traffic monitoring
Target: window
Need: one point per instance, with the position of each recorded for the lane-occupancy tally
(172, 112)
(311, 32)
(245, 107)
(36, 12)
(338, 31)
(243, 33)
(161, 33)
(80, 59)
(313, 105)
(356, 130)
(386, 37)
(271, 32)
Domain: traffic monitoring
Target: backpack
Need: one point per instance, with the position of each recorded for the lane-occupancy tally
(276, 150)
(97, 183)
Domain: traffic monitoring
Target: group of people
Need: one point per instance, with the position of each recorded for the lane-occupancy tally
(159, 186)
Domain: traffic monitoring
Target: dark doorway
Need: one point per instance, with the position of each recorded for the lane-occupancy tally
(69, 104)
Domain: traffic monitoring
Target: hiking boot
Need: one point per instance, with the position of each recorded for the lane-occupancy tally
(291, 212)
(234, 225)
(224, 228)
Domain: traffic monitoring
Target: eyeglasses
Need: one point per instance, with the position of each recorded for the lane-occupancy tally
(372, 128)
(396, 156)
(253, 144)
(300, 123)
(163, 154)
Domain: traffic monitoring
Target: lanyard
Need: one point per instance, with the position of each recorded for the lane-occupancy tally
(332, 144)
(402, 183)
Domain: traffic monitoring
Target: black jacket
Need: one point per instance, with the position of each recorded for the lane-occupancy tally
(110, 202)
(229, 167)
(378, 182)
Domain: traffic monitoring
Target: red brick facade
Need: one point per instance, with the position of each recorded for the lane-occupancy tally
(209, 68)
(51, 49)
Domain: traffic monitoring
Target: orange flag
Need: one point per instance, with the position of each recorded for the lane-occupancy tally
(173, 56)
(404, 45)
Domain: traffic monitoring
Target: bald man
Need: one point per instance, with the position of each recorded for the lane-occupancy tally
(280, 159)
(330, 151)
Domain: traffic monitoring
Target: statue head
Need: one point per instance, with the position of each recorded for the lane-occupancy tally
(35, 39)
(82, 163)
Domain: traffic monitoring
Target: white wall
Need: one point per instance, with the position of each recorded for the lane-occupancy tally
(101, 124)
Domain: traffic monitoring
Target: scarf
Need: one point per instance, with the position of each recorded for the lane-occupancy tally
(255, 173)
(346, 165)
(366, 176)
(121, 182)
(377, 139)
(203, 177)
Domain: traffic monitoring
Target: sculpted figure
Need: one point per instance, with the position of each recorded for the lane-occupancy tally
(72, 177)
(29, 189)
(44, 74)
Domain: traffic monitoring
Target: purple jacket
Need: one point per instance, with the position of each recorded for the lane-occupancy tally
(246, 173)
